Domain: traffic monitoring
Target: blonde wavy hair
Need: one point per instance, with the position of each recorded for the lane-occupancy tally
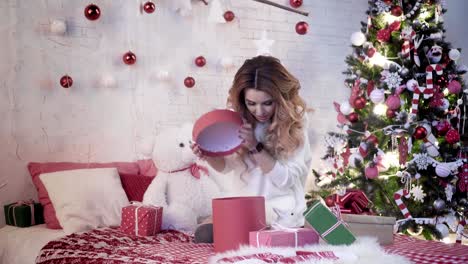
(264, 73)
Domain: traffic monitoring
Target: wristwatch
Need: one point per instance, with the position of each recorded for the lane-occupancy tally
(258, 148)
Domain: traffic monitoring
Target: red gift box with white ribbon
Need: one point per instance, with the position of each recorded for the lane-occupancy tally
(141, 220)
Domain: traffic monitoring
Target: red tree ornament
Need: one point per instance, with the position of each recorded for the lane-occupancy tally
(189, 82)
(390, 113)
(129, 58)
(149, 7)
(396, 11)
(302, 27)
(373, 139)
(353, 117)
(360, 102)
(229, 16)
(393, 102)
(66, 81)
(200, 61)
(443, 127)
(371, 172)
(295, 3)
(420, 132)
(92, 12)
(370, 52)
(452, 136)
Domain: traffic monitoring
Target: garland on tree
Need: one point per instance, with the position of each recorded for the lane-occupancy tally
(403, 138)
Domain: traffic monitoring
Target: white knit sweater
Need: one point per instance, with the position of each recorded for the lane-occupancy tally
(282, 187)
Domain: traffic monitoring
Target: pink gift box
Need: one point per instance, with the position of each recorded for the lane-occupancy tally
(141, 220)
(283, 238)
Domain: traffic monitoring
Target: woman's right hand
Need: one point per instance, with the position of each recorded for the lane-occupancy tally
(197, 151)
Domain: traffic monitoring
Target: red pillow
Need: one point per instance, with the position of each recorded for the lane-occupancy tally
(35, 169)
(135, 185)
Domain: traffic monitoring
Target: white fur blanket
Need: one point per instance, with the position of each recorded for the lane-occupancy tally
(364, 250)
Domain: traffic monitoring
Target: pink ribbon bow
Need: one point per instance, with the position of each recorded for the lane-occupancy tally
(194, 170)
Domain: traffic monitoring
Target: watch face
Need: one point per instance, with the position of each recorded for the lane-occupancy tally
(259, 147)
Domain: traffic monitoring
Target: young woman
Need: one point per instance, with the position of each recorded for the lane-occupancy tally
(275, 157)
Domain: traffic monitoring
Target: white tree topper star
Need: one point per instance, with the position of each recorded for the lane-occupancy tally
(264, 44)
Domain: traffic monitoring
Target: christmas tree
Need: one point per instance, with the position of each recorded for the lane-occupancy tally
(402, 139)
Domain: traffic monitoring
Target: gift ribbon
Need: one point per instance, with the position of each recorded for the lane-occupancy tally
(139, 205)
(29, 203)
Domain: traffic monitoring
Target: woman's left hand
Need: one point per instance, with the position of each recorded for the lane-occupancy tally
(247, 134)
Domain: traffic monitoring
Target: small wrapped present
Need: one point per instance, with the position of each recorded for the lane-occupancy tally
(330, 228)
(24, 214)
(370, 225)
(291, 237)
(141, 220)
(353, 202)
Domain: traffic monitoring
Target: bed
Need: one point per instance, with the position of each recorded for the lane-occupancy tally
(38, 244)
(127, 182)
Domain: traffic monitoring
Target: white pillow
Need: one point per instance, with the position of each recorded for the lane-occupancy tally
(86, 198)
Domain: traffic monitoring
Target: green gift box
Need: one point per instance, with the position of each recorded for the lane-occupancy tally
(332, 230)
(24, 214)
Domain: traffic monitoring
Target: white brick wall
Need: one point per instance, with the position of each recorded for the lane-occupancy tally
(43, 122)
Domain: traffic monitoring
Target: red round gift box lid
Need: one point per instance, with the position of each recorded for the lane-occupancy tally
(217, 132)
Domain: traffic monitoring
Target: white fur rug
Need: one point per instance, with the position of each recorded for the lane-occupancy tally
(365, 250)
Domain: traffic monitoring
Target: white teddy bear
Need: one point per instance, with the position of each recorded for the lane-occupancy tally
(182, 186)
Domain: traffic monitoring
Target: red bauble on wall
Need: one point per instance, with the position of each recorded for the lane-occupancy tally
(129, 58)
(229, 16)
(200, 61)
(149, 7)
(66, 81)
(189, 82)
(92, 12)
(360, 102)
(295, 3)
(329, 201)
(420, 132)
(302, 27)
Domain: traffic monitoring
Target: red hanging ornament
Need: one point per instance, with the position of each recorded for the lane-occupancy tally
(66, 81)
(390, 113)
(353, 117)
(360, 102)
(129, 58)
(302, 27)
(420, 132)
(383, 35)
(200, 61)
(443, 127)
(229, 16)
(371, 172)
(189, 82)
(396, 11)
(295, 3)
(149, 7)
(393, 102)
(452, 136)
(370, 52)
(373, 139)
(92, 12)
